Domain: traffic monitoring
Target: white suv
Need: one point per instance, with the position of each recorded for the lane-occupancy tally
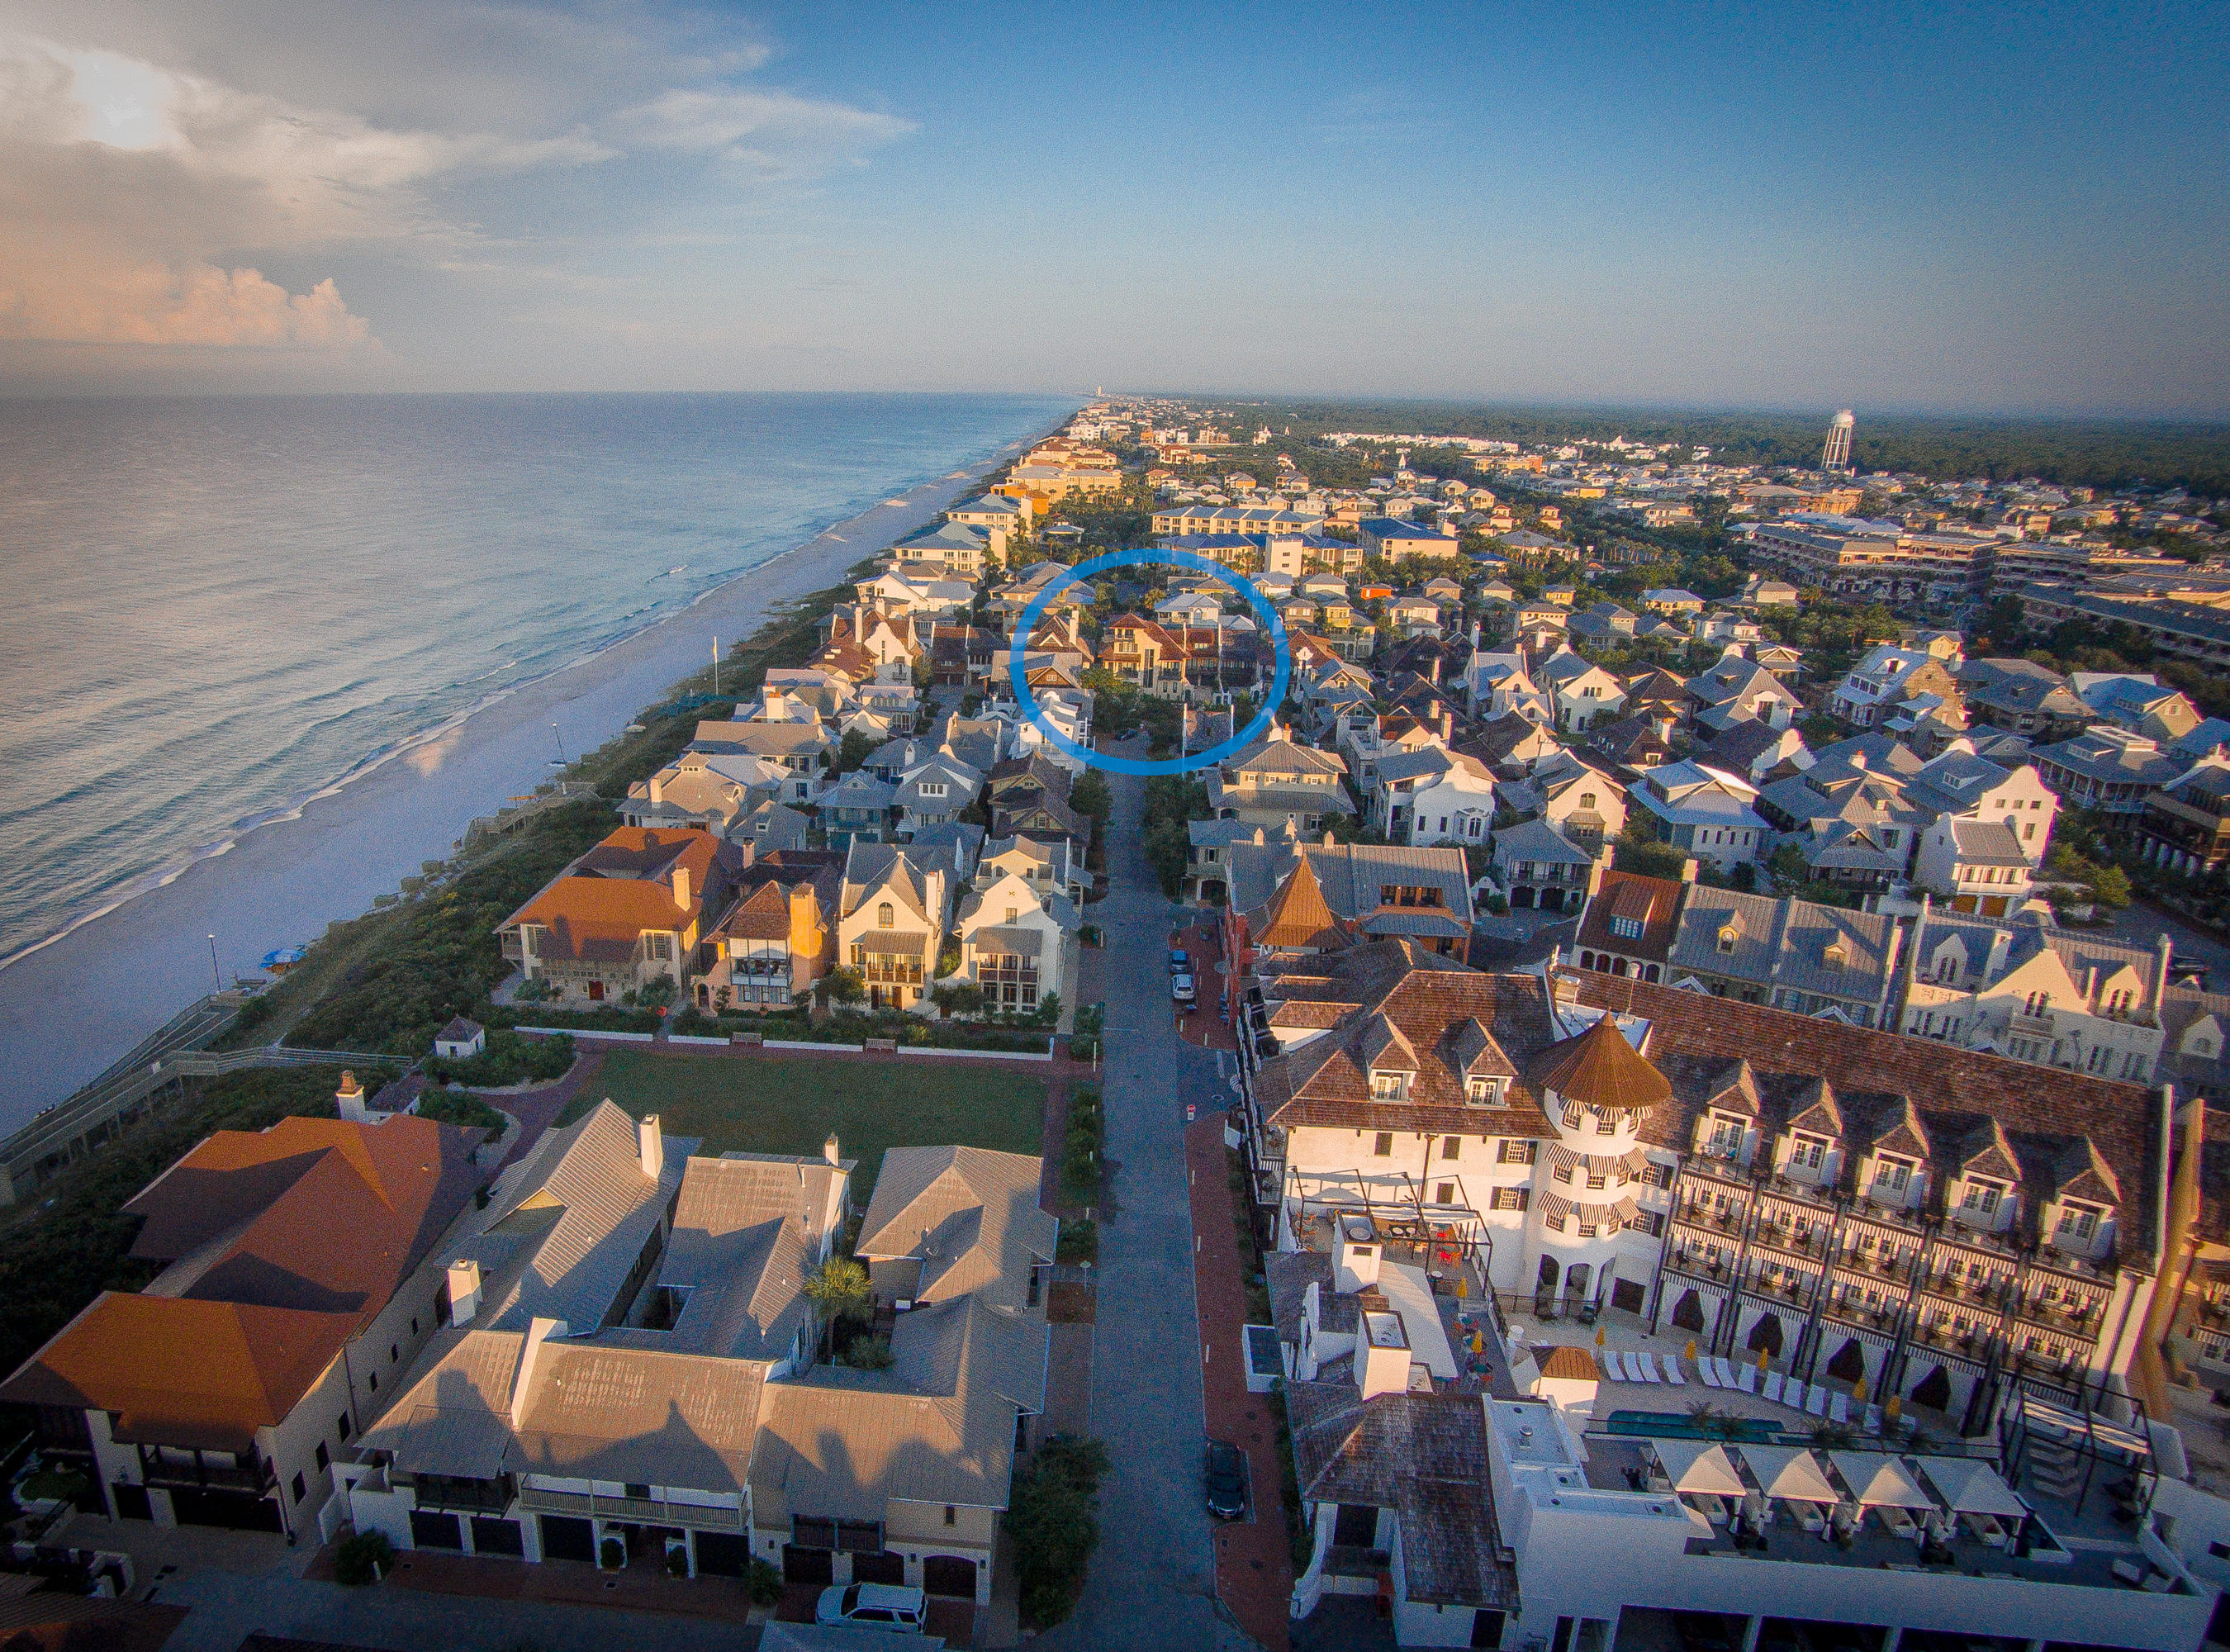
(883, 1606)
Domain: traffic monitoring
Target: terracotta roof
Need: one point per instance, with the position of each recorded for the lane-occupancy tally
(1566, 1364)
(1600, 1069)
(1297, 916)
(764, 914)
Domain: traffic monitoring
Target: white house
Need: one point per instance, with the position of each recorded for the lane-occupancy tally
(1014, 940)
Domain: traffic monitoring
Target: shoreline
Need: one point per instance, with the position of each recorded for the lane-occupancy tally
(73, 1002)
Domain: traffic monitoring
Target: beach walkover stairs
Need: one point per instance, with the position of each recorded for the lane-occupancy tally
(135, 1087)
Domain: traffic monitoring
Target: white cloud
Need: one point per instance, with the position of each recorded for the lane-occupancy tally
(200, 305)
(773, 132)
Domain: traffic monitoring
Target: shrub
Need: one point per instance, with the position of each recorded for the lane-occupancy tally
(459, 1107)
(1052, 1521)
(612, 1555)
(1079, 1240)
(677, 1563)
(763, 1582)
(363, 1558)
(870, 1354)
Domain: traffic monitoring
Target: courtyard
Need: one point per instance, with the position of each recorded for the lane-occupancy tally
(775, 1104)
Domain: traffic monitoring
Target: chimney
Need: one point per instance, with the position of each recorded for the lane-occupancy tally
(1432, 674)
(1381, 1352)
(657, 787)
(1447, 720)
(1776, 715)
(538, 1331)
(2001, 943)
(1357, 1267)
(828, 1151)
(1474, 633)
(464, 1291)
(1688, 869)
(777, 704)
(651, 1141)
(2159, 976)
(351, 1098)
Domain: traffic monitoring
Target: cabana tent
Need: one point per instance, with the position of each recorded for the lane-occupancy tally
(1878, 1479)
(1970, 1486)
(1791, 1474)
(1698, 1468)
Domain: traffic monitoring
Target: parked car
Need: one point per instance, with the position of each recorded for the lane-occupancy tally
(1180, 961)
(881, 1606)
(1227, 1480)
(1181, 989)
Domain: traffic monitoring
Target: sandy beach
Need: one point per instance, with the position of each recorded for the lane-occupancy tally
(70, 1009)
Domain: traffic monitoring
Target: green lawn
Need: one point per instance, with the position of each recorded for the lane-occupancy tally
(778, 1106)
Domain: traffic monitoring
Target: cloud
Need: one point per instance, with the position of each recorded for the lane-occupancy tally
(772, 132)
(200, 306)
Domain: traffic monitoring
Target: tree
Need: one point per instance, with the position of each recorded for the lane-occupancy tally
(1640, 853)
(839, 1290)
(1090, 796)
(958, 999)
(854, 752)
(845, 985)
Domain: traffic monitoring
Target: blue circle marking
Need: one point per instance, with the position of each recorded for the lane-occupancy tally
(1214, 754)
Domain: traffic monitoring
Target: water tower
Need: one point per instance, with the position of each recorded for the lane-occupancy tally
(1837, 453)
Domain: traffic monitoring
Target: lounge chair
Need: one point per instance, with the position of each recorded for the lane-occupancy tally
(1616, 1361)
(1670, 1363)
(1710, 1506)
(1709, 1370)
(1774, 1382)
(1873, 1422)
(1746, 1380)
(1986, 1529)
(1838, 1408)
(1647, 1367)
(1815, 1401)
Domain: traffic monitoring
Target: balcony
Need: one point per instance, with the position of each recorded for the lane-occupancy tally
(467, 1496)
(176, 1468)
(650, 1510)
(2077, 1319)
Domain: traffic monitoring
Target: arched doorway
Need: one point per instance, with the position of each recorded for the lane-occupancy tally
(1765, 1336)
(1933, 1390)
(1688, 1312)
(1849, 1363)
(1576, 1280)
(1544, 1286)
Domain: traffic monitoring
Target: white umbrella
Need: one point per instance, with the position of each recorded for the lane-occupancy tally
(1695, 1467)
(1972, 1487)
(1790, 1472)
(1878, 1480)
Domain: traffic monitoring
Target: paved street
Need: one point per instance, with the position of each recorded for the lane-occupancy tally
(1152, 1581)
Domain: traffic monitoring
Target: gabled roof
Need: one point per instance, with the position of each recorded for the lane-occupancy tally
(970, 1214)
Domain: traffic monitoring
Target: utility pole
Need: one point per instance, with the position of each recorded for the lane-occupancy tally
(716, 668)
(217, 980)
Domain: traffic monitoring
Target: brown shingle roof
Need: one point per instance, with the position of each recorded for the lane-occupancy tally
(1297, 917)
(1600, 1069)
(1652, 902)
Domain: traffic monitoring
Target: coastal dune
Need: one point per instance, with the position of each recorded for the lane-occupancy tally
(72, 1007)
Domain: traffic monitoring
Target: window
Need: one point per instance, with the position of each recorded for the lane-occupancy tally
(887, 916)
(1980, 1198)
(325, 1457)
(1606, 1125)
(1626, 928)
(951, 1515)
(1452, 1148)
(1444, 1193)
(1509, 1152)
(1481, 1091)
(931, 788)
(394, 1352)
(1728, 936)
(1590, 1230)
(1509, 1198)
(1892, 1175)
(1595, 1182)
(1808, 1155)
(374, 1380)
(1561, 1172)
(341, 1427)
(1382, 1147)
(1387, 1087)
(2080, 1222)
(301, 1489)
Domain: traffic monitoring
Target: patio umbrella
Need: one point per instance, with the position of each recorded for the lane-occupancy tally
(1878, 1480)
(1697, 1467)
(1790, 1472)
(1972, 1487)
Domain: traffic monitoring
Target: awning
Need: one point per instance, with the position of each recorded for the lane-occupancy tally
(1697, 1467)
(907, 945)
(1878, 1480)
(1970, 1486)
(1791, 1472)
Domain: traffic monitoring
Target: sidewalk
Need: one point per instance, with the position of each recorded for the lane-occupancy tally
(1203, 1026)
(1253, 1566)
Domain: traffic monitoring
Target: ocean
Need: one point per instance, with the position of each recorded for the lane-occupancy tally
(224, 607)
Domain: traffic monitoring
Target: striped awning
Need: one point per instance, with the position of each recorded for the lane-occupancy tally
(1554, 1208)
(1630, 1165)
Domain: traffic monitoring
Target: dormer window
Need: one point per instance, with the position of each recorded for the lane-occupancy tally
(2079, 1224)
(1728, 934)
(1483, 1092)
(1980, 1198)
(1809, 1153)
(1726, 1137)
(1891, 1178)
(1837, 957)
(1626, 928)
(1387, 1086)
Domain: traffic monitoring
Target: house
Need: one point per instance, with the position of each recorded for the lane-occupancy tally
(1627, 925)
(857, 806)
(1497, 684)
(706, 791)
(1976, 866)
(1737, 690)
(1672, 603)
(1434, 796)
(1394, 539)
(1291, 894)
(2107, 769)
(1854, 827)
(892, 919)
(1633, 744)
(1015, 941)
(1756, 750)
(1702, 812)
(1538, 866)
(1583, 692)
(2024, 698)
(937, 789)
(1573, 795)
(1886, 675)
(632, 910)
(780, 936)
(1142, 651)
(1207, 850)
(459, 1040)
(797, 746)
(1509, 743)
(1728, 628)
(1606, 624)
(961, 548)
(2186, 825)
(1276, 779)
(1760, 590)
(771, 827)
(1050, 867)
(288, 1290)
(1794, 955)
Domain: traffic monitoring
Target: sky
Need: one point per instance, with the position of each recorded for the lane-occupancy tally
(1899, 208)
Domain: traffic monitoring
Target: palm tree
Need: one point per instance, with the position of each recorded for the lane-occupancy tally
(839, 1290)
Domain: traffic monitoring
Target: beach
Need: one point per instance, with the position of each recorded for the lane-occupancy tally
(72, 1007)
